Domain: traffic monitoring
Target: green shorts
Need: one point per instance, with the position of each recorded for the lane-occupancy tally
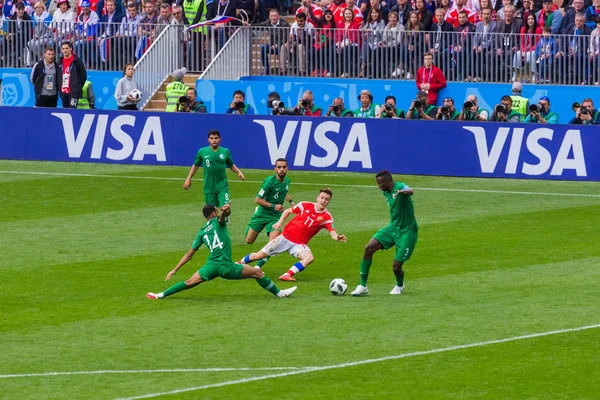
(217, 199)
(405, 242)
(259, 221)
(226, 270)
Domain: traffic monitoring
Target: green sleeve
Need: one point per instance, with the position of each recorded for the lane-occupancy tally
(264, 188)
(199, 160)
(229, 161)
(198, 241)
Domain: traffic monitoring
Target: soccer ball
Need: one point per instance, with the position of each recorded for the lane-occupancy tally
(338, 287)
(136, 94)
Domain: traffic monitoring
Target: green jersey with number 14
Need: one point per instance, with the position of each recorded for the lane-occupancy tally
(215, 165)
(273, 191)
(402, 212)
(216, 238)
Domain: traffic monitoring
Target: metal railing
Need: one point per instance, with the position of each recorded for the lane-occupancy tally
(232, 52)
(101, 46)
(164, 55)
(234, 58)
(397, 54)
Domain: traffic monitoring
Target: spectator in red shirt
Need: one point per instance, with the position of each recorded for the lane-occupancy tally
(430, 79)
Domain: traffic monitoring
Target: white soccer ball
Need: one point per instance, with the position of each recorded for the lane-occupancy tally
(338, 287)
(136, 94)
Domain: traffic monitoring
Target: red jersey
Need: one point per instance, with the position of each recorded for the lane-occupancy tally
(67, 63)
(307, 223)
(317, 12)
(452, 16)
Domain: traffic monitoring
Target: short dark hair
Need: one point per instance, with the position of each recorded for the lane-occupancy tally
(191, 88)
(240, 93)
(326, 190)
(463, 12)
(66, 42)
(280, 159)
(301, 16)
(428, 54)
(506, 98)
(49, 48)
(208, 209)
(385, 175)
(165, 6)
(214, 132)
(547, 29)
(390, 97)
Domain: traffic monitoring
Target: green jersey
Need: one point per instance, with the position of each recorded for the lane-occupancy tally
(216, 238)
(273, 191)
(402, 212)
(215, 165)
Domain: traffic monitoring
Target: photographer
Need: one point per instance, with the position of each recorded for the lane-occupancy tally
(193, 105)
(307, 107)
(503, 112)
(420, 109)
(389, 109)
(585, 114)
(540, 113)
(367, 109)
(472, 112)
(237, 105)
(447, 112)
(337, 109)
(183, 104)
(277, 106)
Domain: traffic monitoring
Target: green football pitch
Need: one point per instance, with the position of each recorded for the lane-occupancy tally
(501, 301)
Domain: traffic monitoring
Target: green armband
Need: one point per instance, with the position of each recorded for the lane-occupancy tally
(290, 201)
(272, 206)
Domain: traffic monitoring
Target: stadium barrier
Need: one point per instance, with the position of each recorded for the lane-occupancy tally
(321, 144)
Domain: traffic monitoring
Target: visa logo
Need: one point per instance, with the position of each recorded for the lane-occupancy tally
(355, 149)
(538, 144)
(150, 142)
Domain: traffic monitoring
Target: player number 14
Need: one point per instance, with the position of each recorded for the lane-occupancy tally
(215, 244)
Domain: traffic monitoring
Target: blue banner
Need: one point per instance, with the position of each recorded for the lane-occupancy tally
(325, 144)
(217, 95)
(17, 91)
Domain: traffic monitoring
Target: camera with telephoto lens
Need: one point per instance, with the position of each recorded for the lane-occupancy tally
(500, 109)
(577, 107)
(336, 109)
(445, 110)
(285, 111)
(275, 104)
(304, 103)
(468, 104)
(239, 105)
(534, 108)
(418, 104)
(389, 108)
(184, 104)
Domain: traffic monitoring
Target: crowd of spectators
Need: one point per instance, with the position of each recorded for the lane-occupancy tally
(106, 34)
(470, 40)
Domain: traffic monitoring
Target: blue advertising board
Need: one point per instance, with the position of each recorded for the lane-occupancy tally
(17, 91)
(318, 144)
(217, 95)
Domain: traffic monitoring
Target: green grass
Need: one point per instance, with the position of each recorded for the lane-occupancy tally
(81, 244)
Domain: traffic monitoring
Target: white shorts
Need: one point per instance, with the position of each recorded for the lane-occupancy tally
(281, 244)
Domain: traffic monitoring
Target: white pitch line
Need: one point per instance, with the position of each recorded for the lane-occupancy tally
(362, 362)
(162, 178)
(143, 371)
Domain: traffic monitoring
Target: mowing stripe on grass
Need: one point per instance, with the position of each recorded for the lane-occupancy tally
(144, 371)
(162, 178)
(362, 362)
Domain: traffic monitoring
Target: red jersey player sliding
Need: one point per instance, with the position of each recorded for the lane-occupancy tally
(309, 220)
